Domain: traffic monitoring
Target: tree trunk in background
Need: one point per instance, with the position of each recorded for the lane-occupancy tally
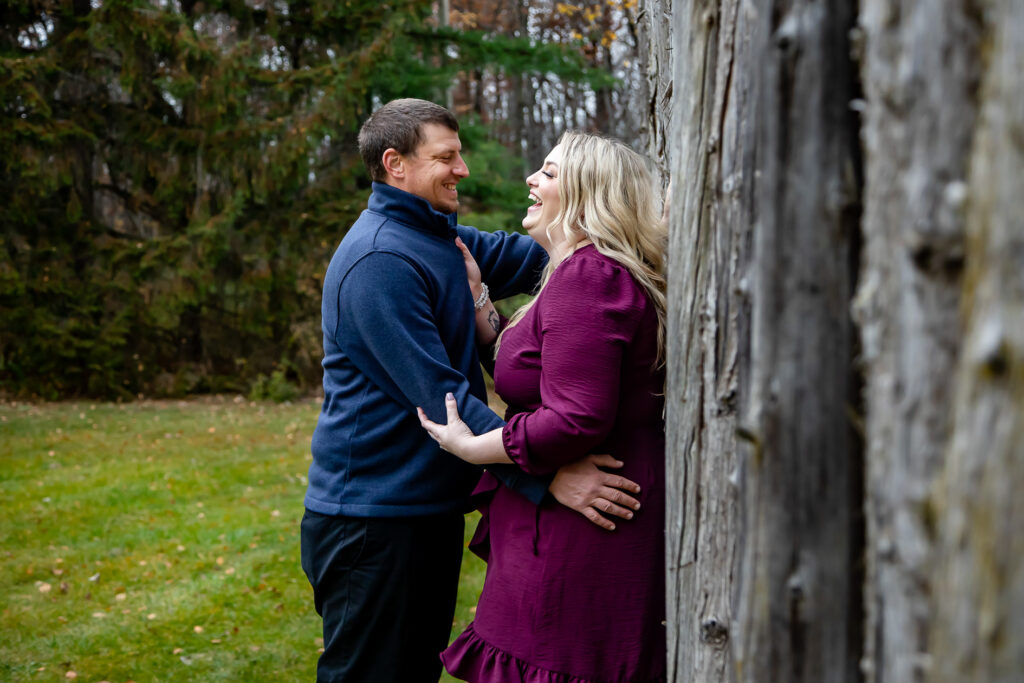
(798, 587)
(654, 28)
(920, 72)
(708, 332)
(772, 575)
(977, 633)
(763, 469)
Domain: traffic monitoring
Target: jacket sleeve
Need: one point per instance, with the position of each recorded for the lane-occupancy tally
(391, 335)
(510, 263)
(588, 313)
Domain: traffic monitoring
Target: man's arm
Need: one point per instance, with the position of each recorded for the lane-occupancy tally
(509, 263)
(389, 332)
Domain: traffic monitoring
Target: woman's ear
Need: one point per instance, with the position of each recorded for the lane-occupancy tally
(394, 163)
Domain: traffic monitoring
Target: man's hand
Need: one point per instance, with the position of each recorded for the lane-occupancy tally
(590, 491)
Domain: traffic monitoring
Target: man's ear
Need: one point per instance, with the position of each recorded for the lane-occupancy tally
(394, 163)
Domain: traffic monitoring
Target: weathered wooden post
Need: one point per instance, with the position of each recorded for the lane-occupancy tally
(764, 467)
(771, 574)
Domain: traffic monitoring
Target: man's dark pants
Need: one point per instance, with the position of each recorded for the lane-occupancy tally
(385, 589)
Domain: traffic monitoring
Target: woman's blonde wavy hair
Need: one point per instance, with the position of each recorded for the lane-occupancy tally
(607, 195)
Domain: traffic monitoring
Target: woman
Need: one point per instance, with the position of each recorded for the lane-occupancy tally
(580, 369)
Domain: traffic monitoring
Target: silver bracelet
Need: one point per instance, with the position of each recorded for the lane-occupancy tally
(482, 299)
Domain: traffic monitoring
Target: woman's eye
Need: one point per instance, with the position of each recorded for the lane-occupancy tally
(548, 174)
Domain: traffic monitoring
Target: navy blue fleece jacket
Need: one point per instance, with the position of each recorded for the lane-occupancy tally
(399, 332)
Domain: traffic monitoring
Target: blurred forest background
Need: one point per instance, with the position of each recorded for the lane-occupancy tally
(174, 175)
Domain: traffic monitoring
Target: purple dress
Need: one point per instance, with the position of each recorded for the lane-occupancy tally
(564, 600)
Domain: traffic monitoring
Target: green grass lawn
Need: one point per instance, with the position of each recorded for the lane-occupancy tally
(159, 541)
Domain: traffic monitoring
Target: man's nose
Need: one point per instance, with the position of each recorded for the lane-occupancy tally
(460, 169)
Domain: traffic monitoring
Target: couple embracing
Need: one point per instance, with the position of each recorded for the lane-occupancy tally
(570, 483)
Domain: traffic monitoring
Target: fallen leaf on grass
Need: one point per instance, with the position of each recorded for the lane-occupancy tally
(44, 587)
(71, 674)
(99, 615)
(177, 651)
(197, 629)
(120, 597)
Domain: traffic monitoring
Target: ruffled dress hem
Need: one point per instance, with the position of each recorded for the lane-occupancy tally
(471, 658)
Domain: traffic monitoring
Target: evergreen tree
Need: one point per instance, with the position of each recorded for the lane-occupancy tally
(175, 175)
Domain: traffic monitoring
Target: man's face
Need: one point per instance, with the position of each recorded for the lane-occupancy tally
(434, 168)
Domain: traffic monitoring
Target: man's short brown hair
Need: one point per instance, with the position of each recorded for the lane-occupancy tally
(398, 124)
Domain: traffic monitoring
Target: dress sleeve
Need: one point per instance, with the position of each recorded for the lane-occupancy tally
(587, 314)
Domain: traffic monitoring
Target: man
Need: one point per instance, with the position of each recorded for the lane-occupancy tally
(382, 535)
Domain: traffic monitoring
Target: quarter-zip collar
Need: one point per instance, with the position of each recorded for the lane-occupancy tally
(412, 210)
